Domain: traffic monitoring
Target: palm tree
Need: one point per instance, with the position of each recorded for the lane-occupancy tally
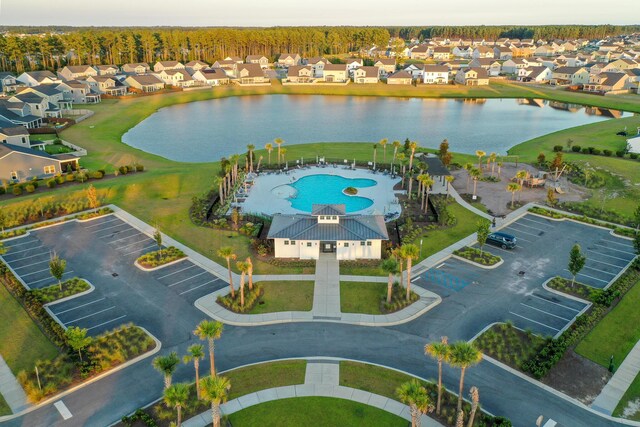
(409, 192)
(195, 354)
(475, 400)
(403, 162)
(397, 254)
(413, 394)
(512, 187)
(278, 142)
(177, 396)
(243, 267)
(499, 169)
(375, 151)
(492, 159)
(475, 175)
(521, 175)
(480, 155)
(250, 272)
(166, 365)
(251, 147)
(209, 330)
(427, 182)
(383, 143)
(412, 146)
(440, 352)
(390, 266)
(396, 145)
(283, 152)
(269, 147)
(449, 179)
(215, 390)
(463, 355)
(226, 252)
(409, 252)
(468, 166)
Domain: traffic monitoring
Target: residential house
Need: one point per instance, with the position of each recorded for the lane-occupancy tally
(249, 74)
(601, 56)
(177, 78)
(544, 50)
(235, 59)
(107, 85)
(38, 105)
(435, 74)
(317, 64)
(52, 94)
(288, 59)
(463, 51)
(386, 66)
(16, 135)
(511, 66)
(540, 74)
(35, 78)
(300, 74)
(75, 72)
(197, 65)
(8, 82)
(18, 163)
(366, 75)
(19, 113)
(570, 76)
(441, 53)
(79, 92)
(261, 60)
(416, 70)
(328, 229)
(483, 52)
(168, 65)
(606, 82)
(212, 76)
(569, 46)
(136, 68)
(422, 51)
(475, 76)
(335, 73)
(400, 78)
(145, 83)
(228, 65)
(620, 66)
(492, 66)
(107, 70)
(353, 63)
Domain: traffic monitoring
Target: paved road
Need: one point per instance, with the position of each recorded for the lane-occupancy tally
(162, 302)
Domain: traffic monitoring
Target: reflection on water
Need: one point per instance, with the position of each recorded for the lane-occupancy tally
(209, 130)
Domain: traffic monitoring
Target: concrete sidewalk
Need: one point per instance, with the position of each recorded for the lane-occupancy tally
(321, 380)
(11, 390)
(326, 290)
(610, 396)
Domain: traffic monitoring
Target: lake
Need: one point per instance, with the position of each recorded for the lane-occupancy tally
(205, 131)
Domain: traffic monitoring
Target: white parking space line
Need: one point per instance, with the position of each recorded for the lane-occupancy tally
(27, 257)
(486, 249)
(141, 249)
(29, 265)
(34, 272)
(626, 245)
(24, 250)
(610, 256)
(90, 315)
(537, 222)
(197, 287)
(524, 240)
(20, 244)
(531, 320)
(617, 250)
(189, 278)
(590, 277)
(48, 278)
(113, 218)
(601, 271)
(528, 226)
(107, 322)
(545, 312)
(63, 410)
(605, 263)
(520, 231)
(177, 271)
(555, 303)
(80, 306)
(134, 243)
(108, 228)
(125, 238)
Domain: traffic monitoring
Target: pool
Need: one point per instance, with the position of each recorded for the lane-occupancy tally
(326, 189)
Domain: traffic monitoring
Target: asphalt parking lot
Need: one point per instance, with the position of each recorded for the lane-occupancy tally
(513, 291)
(103, 251)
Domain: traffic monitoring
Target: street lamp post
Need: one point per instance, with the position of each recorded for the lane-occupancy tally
(420, 248)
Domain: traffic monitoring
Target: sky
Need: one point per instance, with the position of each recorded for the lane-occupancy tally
(304, 12)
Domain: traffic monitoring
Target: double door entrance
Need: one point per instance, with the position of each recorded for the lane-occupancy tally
(327, 247)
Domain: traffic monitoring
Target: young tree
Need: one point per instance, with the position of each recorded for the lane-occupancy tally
(215, 390)
(157, 237)
(443, 150)
(77, 339)
(541, 159)
(177, 396)
(576, 262)
(279, 142)
(249, 272)
(243, 267)
(463, 355)
(557, 161)
(92, 197)
(475, 174)
(482, 233)
(195, 353)
(390, 266)
(3, 249)
(396, 145)
(480, 155)
(440, 352)
(413, 394)
(269, 148)
(166, 365)
(551, 197)
(468, 167)
(250, 149)
(449, 179)
(57, 266)
(210, 330)
(375, 151)
(235, 218)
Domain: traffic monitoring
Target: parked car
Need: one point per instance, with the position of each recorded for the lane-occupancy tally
(504, 240)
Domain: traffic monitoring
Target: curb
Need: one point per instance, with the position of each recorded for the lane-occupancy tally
(175, 261)
(486, 267)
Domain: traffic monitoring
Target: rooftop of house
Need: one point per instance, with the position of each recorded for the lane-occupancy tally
(146, 79)
(368, 71)
(400, 75)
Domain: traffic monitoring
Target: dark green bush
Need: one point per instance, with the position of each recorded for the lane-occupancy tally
(139, 168)
(620, 153)
(59, 179)
(607, 153)
(30, 188)
(596, 152)
(557, 148)
(96, 175)
(123, 170)
(576, 148)
(591, 150)
(51, 183)
(17, 190)
(585, 150)
(633, 156)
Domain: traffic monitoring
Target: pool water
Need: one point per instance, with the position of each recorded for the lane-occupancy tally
(327, 189)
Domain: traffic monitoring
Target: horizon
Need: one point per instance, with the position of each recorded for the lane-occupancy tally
(289, 13)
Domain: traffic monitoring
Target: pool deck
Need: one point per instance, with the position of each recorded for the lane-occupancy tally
(262, 198)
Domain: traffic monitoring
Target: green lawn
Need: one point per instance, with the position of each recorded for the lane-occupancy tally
(361, 297)
(265, 375)
(616, 334)
(21, 342)
(57, 149)
(629, 405)
(308, 411)
(4, 408)
(371, 378)
(285, 296)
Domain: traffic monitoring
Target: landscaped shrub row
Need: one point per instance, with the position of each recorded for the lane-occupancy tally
(398, 299)
(475, 255)
(550, 354)
(596, 151)
(508, 344)
(597, 296)
(628, 232)
(107, 351)
(160, 257)
(52, 293)
(251, 298)
(83, 216)
(32, 185)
